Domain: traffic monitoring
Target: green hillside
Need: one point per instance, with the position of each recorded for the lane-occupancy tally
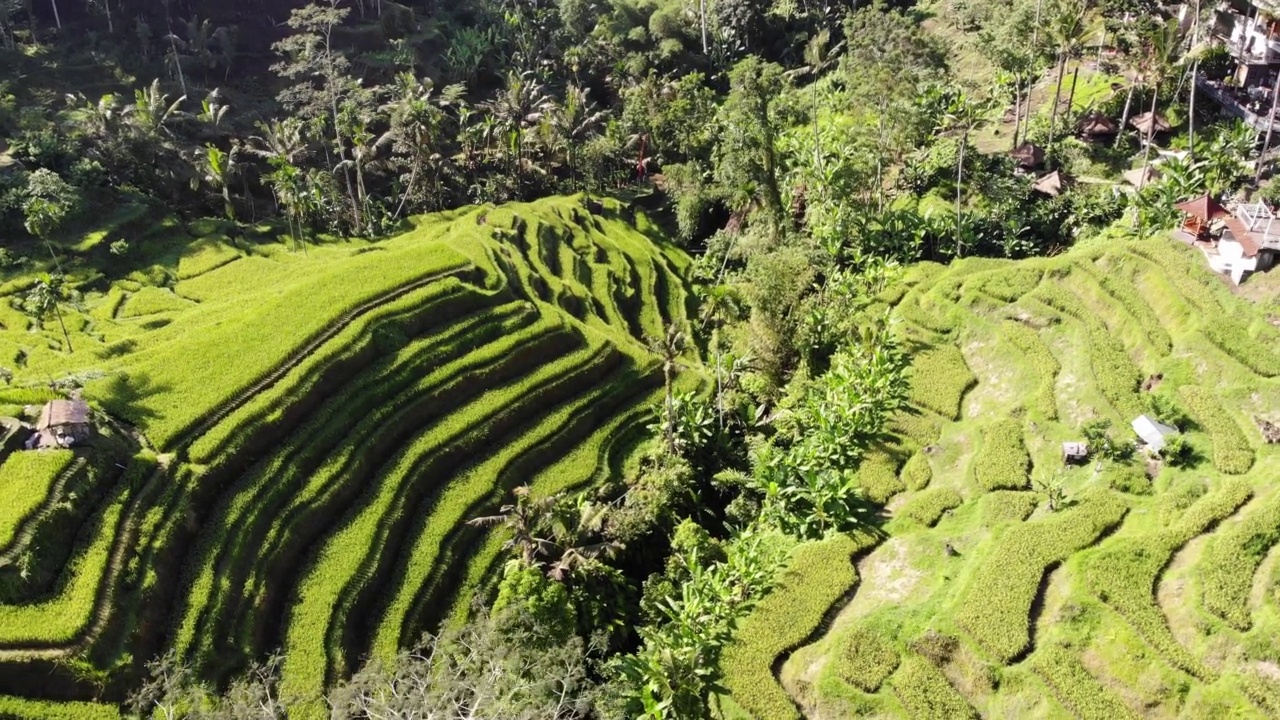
(310, 428)
(1135, 596)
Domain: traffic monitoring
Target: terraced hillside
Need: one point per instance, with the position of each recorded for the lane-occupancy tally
(1135, 597)
(316, 425)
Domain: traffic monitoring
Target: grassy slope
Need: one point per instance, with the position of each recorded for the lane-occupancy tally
(1091, 651)
(334, 399)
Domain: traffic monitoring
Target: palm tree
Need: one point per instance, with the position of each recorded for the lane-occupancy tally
(1067, 32)
(151, 110)
(963, 116)
(668, 348)
(45, 296)
(573, 121)
(417, 118)
(216, 168)
(1159, 57)
(574, 531)
(279, 139)
(818, 57)
(526, 518)
(520, 105)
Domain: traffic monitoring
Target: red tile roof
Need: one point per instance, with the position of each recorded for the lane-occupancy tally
(1204, 207)
(1240, 233)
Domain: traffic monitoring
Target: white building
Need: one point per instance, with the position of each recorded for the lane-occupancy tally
(1248, 244)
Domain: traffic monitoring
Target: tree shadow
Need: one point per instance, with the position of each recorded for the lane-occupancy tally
(124, 396)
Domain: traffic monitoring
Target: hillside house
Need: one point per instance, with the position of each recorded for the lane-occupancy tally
(1243, 240)
(1249, 31)
(1154, 434)
(62, 424)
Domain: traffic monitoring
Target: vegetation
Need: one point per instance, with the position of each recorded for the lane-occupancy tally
(939, 380)
(1002, 462)
(927, 507)
(1227, 570)
(1232, 453)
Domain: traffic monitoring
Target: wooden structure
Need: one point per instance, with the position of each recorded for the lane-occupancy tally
(62, 424)
(1153, 432)
(1096, 126)
(1074, 452)
(1143, 123)
(1027, 155)
(1198, 214)
(1139, 178)
(1053, 184)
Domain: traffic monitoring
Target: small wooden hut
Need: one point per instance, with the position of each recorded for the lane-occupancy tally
(1140, 178)
(1198, 213)
(1143, 123)
(62, 423)
(1074, 452)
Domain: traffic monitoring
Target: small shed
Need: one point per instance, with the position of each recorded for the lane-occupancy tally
(1199, 213)
(62, 423)
(1153, 432)
(1074, 452)
(1139, 178)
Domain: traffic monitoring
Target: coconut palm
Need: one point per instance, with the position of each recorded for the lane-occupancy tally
(527, 519)
(574, 530)
(1160, 53)
(669, 348)
(964, 115)
(44, 297)
(417, 118)
(572, 122)
(152, 112)
(1067, 32)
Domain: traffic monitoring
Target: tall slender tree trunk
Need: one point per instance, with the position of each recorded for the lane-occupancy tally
(1057, 96)
(1071, 98)
(702, 8)
(57, 19)
(57, 310)
(227, 206)
(1271, 123)
(964, 141)
(1124, 117)
(1017, 109)
(1151, 131)
(1191, 111)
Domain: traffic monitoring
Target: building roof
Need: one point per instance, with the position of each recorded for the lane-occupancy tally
(56, 413)
(1097, 124)
(1240, 233)
(1075, 449)
(1143, 123)
(1054, 183)
(1205, 208)
(1028, 155)
(1152, 431)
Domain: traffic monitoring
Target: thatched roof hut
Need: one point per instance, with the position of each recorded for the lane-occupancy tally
(1027, 155)
(1097, 125)
(1053, 184)
(62, 423)
(1137, 177)
(1144, 122)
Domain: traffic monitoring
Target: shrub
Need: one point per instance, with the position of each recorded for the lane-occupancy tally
(1075, 687)
(917, 426)
(1232, 453)
(927, 507)
(1227, 568)
(996, 607)
(912, 310)
(917, 473)
(878, 476)
(1127, 478)
(1004, 506)
(940, 378)
(926, 693)
(1033, 349)
(1002, 462)
(816, 575)
(866, 659)
(1124, 573)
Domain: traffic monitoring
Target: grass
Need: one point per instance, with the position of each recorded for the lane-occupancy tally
(1004, 506)
(1225, 573)
(16, 708)
(878, 476)
(26, 479)
(928, 507)
(926, 693)
(1232, 453)
(1002, 462)
(1027, 341)
(916, 473)
(866, 659)
(939, 380)
(997, 605)
(1075, 688)
(816, 574)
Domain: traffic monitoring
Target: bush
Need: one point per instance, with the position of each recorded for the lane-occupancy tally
(1123, 574)
(917, 473)
(1127, 478)
(817, 574)
(878, 476)
(912, 310)
(1009, 285)
(996, 607)
(866, 658)
(939, 380)
(1232, 453)
(1004, 506)
(923, 429)
(926, 693)
(1073, 685)
(1033, 349)
(1226, 571)
(1002, 462)
(927, 507)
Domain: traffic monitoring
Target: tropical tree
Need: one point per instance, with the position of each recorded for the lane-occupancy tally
(964, 114)
(215, 168)
(528, 520)
(574, 121)
(669, 348)
(44, 297)
(1160, 53)
(152, 112)
(1067, 32)
(417, 117)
